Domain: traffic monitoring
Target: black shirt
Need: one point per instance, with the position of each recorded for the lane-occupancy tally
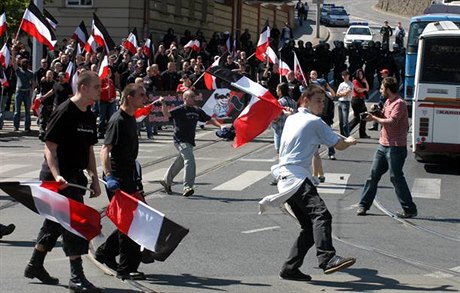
(74, 131)
(122, 135)
(46, 86)
(62, 92)
(185, 120)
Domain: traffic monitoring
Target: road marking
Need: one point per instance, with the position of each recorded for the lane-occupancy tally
(352, 207)
(155, 174)
(7, 168)
(439, 275)
(335, 183)
(260, 230)
(426, 188)
(244, 180)
(259, 160)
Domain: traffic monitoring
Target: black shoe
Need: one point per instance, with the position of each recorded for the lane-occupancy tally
(131, 276)
(294, 276)
(110, 263)
(81, 284)
(6, 230)
(337, 263)
(364, 136)
(40, 273)
(406, 215)
(361, 211)
(188, 192)
(27, 130)
(166, 187)
(16, 129)
(321, 179)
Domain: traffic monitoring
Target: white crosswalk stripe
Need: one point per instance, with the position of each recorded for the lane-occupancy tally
(242, 181)
(426, 188)
(443, 275)
(335, 183)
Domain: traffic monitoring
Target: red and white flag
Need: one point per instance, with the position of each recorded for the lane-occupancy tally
(68, 71)
(91, 45)
(43, 199)
(194, 44)
(130, 43)
(3, 25)
(141, 113)
(36, 25)
(145, 225)
(263, 43)
(104, 68)
(73, 82)
(262, 109)
(51, 20)
(271, 55)
(80, 34)
(283, 68)
(298, 72)
(4, 80)
(5, 56)
(209, 79)
(100, 34)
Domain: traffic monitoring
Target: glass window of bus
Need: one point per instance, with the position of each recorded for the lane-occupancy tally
(415, 30)
(441, 61)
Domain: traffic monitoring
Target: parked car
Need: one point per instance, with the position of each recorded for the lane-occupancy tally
(325, 8)
(358, 32)
(337, 17)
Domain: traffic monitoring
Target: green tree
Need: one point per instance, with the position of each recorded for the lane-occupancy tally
(14, 10)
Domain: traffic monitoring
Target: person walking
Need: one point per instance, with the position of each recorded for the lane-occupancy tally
(69, 139)
(360, 89)
(386, 32)
(391, 152)
(185, 118)
(302, 134)
(118, 159)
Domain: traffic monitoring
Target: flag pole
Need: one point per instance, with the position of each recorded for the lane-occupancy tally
(201, 76)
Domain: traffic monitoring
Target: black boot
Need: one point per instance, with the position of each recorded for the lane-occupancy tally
(35, 269)
(78, 281)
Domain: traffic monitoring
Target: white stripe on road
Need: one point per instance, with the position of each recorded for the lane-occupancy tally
(260, 230)
(156, 174)
(335, 183)
(5, 169)
(259, 160)
(426, 188)
(244, 180)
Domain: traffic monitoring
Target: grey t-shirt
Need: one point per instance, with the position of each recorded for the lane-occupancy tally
(25, 78)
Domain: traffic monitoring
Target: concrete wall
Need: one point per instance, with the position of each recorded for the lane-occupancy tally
(404, 7)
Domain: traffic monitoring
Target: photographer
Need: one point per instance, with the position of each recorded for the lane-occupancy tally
(360, 88)
(391, 152)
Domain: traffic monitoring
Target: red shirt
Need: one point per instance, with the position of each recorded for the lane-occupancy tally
(395, 124)
(355, 94)
(108, 94)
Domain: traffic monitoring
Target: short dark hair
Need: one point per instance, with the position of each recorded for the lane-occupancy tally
(391, 83)
(345, 72)
(85, 78)
(129, 90)
(284, 88)
(311, 90)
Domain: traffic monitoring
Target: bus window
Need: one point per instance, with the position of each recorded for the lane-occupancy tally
(441, 61)
(415, 30)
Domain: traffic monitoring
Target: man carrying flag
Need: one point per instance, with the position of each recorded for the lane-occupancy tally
(118, 159)
(69, 140)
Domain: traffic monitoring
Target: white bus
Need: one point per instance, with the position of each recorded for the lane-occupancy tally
(436, 108)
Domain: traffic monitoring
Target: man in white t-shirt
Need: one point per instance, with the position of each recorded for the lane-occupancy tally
(344, 92)
(302, 134)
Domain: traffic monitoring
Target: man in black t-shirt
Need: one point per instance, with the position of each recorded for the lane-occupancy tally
(46, 96)
(185, 118)
(118, 159)
(69, 139)
(62, 90)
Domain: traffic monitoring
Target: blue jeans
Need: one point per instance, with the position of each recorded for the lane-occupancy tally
(3, 99)
(277, 140)
(22, 97)
(385, 158)
(106, 110)
(344, 111)
(185, 159)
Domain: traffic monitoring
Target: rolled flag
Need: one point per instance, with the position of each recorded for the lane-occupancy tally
(147, 48)
(80, 34)
(284, 68)
(100, 34)
(143, 112)
(104, 69)
(261, 110)
(51, 20)
(73, 82)
(68, 71)
(36, 107)
(4, 80)
(145, 225)
(298, 72)
(263, 43)
(5, 55)
(43, 199)
(36, 25)
(3, 25)
(130, 43)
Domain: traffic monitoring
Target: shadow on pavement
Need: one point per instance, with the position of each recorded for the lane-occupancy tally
(370, 281)
(451, 168)
(190, 281)
(24, 243)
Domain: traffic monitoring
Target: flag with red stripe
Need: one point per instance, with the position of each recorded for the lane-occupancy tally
(263, 43)
(298, 72)
(148, 48)
(262, 109)
(283, 68)
(104, 68)
(91, 45)
(145, 225)
(43, 199)
(4, 80)
(130, 43)
(271, 55)
(68, 71)
(36, 25)
(209, 79)
(5, 55)
(80, 34)
(194, 45)
(51, 20)
(143, 112)
(3, 25)
(100, 34)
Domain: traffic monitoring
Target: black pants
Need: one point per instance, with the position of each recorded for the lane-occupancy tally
(50, 231)
(118, 243)
(358, 106)
(315, 221)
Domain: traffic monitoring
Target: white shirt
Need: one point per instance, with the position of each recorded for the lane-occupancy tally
(343, 87)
